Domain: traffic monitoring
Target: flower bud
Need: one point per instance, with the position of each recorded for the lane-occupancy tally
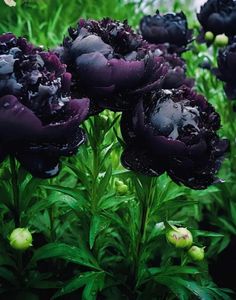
(179, 237)
(221, 40)
(209, 36)
(118, 182)
(196, 253)
(21, 239)
(122, 189)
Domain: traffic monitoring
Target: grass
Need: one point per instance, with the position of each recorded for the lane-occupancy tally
(45, 22)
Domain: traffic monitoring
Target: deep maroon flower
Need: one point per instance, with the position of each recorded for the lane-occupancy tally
(174, 132)
(227, 69)
(112, 64)
(170, 28)
(38, 120)
(218, 16)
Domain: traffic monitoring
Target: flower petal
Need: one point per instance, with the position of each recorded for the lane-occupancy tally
(42, 166)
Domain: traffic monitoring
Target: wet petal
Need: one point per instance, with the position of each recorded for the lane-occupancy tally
(42, 166)
(17, 121)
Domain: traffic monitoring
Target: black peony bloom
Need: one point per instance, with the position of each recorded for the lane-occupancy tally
(169, 28)
(227, 69)
(174, 131)
(112, 64)
(218, 16)
(38, 120)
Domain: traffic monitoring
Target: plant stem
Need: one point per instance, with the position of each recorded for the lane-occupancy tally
(96, 164)
(15, 189)
(145, 206)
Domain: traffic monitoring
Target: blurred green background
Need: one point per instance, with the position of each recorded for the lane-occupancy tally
(46, 21)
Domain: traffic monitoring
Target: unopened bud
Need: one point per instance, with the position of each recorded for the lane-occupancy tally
(180, 237)
(21, 239)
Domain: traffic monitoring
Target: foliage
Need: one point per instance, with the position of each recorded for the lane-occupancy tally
(90, 241)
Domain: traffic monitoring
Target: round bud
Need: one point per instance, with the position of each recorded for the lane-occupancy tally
(122, 189)
(179, 237)
(196, 253)
(209, 36)
(118, 182)
(221, 40)
(21, 239)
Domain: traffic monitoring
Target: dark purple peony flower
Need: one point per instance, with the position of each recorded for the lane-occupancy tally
(170, 28)
(38, 120)
(174, 132)
(112, 64)
(227, 69)
(218, 16)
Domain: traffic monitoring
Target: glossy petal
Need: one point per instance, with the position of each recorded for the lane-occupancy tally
(42, 166)
(114, 66)
(174, 131)
(169, 28)
(218, 16)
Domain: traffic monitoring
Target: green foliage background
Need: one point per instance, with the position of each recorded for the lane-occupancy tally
(90, 240)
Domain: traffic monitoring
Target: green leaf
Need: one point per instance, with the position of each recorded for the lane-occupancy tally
(5, 195)
(206, 233)
(77, 282)
(197, 290)
(8, 275)
(66, 252)
(178, 290)
(227, 225)
(72, 192)
(95, 285)
(233, 211)
(27, 190)
(104, 182)
(97, 224)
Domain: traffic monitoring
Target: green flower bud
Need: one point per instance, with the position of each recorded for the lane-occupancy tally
(21, 239)
(179, 237)
(221, 40)
(196, 253)
(209, 36)
(122, 189)
(119, 182)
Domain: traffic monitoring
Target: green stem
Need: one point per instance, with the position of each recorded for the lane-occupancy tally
(95, 167)
(15, 189)
(146, 205)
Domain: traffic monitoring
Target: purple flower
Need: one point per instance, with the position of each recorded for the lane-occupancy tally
(170, 28)
(218, 16)
(227, 69)
(38, 120)
(113, 65)
(174, 132)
